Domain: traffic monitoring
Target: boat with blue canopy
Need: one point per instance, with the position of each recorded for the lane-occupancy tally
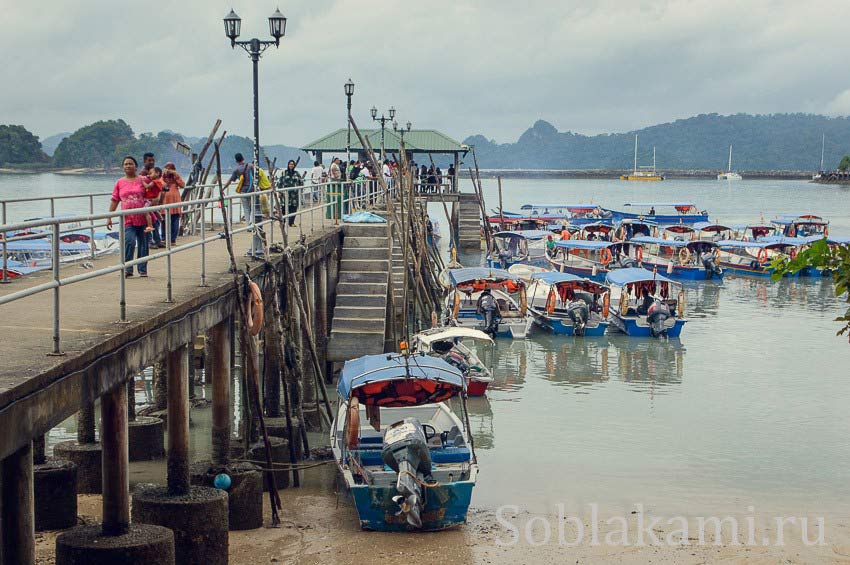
(753, 258)
(406, 457)
(682, 212)
(491, 300)
(566, 304)
(690, 260)
(801, 225)
(633, 227)
(520, 246)
(592, 259)
(574, 214)
(647, 304)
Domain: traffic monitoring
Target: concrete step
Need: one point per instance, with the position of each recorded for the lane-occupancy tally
(363, 265)
(362, 288)
(376, 300)
(377, 241)
(362, 277)
(342, 325)
(360, 312)
(345, 346)
(365, 253)
(364, 230)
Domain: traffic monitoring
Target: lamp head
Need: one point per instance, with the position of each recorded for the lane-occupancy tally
(277, 26)
(374, 112)
(349, 88)
(232, 27)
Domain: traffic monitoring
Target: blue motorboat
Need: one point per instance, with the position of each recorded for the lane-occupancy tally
(463, 306)
(592, 259)
(753, 258)
(572, 214)
(521, 246)
(406, 457)
(682, 212)
(801, 225)
(646, 304)
(695, 260)
(565, 304)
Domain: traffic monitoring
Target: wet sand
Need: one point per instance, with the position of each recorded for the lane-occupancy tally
(320, 526)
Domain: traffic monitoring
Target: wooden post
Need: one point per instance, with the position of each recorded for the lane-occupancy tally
(16, 505)
(220, 373)
(321, 326)
(160, 386)
(271, 366)
(116, 462)
(85, 424)
(178, 421)
(309, 393)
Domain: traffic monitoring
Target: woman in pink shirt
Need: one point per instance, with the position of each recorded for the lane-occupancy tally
(130, 193)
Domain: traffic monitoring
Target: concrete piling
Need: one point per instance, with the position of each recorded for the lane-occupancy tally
(54, 490)
(17, 519)
(85, 453)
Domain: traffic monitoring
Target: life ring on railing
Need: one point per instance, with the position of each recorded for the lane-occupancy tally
(352, 430)
(255, 309)
(456, 306)
(684, 255)
(606, 305)
(793, 253)
(550, 301)
(762, 256)
(605, 256)
(639, 254)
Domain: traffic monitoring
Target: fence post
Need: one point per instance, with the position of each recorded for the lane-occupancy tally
(122, 242)
(203, 248)
(55, 264)
(168, 295)
(5, 256)
(91, 228)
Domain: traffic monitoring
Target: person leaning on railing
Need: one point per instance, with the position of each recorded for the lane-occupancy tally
(130, 193)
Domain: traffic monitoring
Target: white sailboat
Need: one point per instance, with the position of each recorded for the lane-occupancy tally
(822, 146)
(729, 174)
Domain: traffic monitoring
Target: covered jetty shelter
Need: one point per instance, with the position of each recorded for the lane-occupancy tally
(416, 141)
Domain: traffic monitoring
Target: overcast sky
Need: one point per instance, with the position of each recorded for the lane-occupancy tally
(460, 66)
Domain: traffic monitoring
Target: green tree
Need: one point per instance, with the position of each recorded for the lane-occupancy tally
(822, 255)
(845, 163)
(17, 146)
(93, 145)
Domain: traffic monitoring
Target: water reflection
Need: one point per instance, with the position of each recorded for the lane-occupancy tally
(650, 361)
(703, 298)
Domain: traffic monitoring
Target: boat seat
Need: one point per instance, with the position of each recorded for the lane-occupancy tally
(372, 455)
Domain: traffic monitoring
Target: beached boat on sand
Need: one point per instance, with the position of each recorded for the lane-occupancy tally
(406, 458)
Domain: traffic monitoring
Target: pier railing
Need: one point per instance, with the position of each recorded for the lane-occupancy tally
(320, 205)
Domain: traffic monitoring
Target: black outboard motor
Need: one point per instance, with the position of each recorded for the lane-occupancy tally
(711, 267)
(626, 262)
(657, 314)
(579, 313)
(489, 309)
(405, 451)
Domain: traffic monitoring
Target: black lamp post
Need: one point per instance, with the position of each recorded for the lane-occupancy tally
(401, 131)
(349, 92)
(255, 48)
(383, 120)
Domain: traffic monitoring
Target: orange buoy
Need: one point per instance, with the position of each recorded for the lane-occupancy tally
(255, 309)
(605, 255)
(762, 256)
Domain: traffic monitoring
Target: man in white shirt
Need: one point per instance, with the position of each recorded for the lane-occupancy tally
(316, 174)
(388, 174)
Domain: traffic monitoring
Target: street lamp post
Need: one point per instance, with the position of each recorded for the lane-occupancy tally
(383, 120)
(401, 131)
(255, 48)
(349, 92)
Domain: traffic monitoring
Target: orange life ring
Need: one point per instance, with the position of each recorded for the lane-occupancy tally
(550, 301)
(606, 305)
(605, 255)
(639, 254)
(456, 306)
(352, 430)
(793, 253)
(762, 256)
(255, 309)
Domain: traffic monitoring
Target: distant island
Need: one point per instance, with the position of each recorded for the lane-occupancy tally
(776, 142)
(697, 146)
(99, 147)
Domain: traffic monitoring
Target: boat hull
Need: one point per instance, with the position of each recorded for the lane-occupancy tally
(446, 506)
(682, 272)
(562, 327)
(476, 388)
(631, 327)
(618, 216)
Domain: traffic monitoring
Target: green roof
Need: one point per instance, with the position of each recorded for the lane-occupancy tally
(415, 141)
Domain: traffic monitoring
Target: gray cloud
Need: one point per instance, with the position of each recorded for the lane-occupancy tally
(462, 66)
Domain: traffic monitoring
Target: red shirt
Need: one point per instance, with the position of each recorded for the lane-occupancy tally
(131, 194)
(153, 192)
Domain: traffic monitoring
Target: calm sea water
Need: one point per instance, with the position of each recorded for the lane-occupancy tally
(749, 408)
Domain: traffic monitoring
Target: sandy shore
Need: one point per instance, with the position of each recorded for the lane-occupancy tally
(320, 526)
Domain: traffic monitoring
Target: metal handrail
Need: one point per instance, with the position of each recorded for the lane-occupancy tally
(360, 193)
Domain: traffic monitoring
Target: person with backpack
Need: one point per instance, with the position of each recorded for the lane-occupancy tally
(292, 181)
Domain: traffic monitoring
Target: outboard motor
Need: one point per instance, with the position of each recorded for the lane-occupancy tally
(657, 314)
(626, 262)
(405, 451)
(711, 267)
(579, 313)
(489, 309)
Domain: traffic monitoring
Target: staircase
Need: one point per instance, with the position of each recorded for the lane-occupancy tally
(359, 318)
(469, 223)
